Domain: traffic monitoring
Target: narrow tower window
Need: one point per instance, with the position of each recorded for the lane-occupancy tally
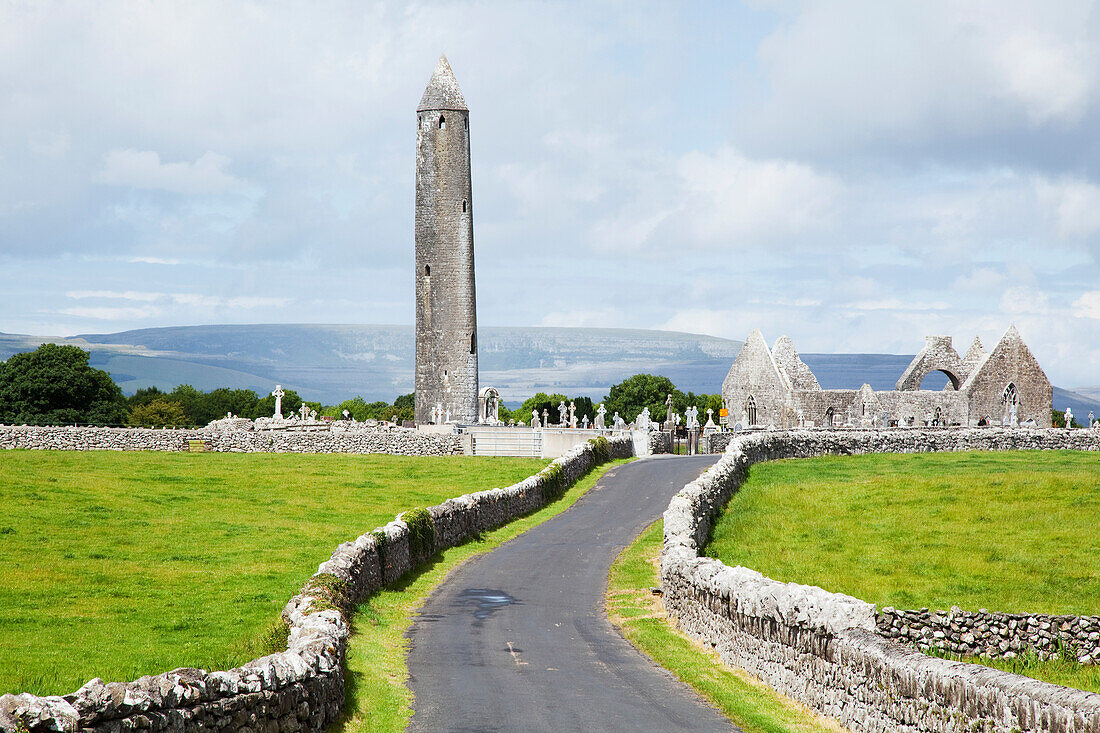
(442, 122)
(463, 206)
(473, 343)
(427, 270)
(466, 122)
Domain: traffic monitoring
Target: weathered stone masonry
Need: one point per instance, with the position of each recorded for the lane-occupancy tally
(398, 441)
(775, 388)
(301, 689)
(824, 649)
(446, 313)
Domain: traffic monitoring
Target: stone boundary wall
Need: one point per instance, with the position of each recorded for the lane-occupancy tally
(823, 648)
(994, 635)
(301, 689)
(398, 441)
(660, 442)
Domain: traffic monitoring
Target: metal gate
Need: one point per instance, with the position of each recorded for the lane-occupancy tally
(506, 442)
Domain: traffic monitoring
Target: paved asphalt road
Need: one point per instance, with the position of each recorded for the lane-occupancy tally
(517, 639)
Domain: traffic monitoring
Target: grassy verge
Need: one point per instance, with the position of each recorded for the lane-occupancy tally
(1012, 532)
(377, 698)
(119, 565)
(638, 613)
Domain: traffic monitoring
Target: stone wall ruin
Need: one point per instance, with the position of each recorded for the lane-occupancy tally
(774, 388)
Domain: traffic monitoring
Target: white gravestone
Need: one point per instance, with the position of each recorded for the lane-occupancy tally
(600, 412)
(278, 394)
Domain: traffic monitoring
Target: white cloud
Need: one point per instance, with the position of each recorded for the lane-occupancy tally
(727, 196)
(155, 260)
(895, 304)
(1024, 299)
(1073, 204)
(1088, 305)
(143, 169)
(187, 299)
(596, 318)
(113, 314)
(871, 76)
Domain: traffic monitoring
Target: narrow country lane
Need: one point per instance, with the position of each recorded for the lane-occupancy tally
(517, 640)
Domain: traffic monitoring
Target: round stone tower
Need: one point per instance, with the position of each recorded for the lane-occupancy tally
(446, 318)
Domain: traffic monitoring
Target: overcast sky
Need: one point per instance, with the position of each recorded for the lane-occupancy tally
(853, 174)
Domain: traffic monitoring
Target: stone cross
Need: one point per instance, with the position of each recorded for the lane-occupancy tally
(584, 422)
(572, 415)
(668, 410)
(562, 409)
(1092, 420)
(600, 412)
(642, 423)
(545, 417)
(534, 418)
(1069, 416)
(312, 414)
(617, 421)
(304, 410)
(278, 394)
(447, 416)
(346, 414)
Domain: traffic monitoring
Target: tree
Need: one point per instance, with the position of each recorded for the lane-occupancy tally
(405, 407)
(584, 407)
(144, 396)
(632, 395)
(157, 413)
(538, 403)
(54, 385)
(191, 401)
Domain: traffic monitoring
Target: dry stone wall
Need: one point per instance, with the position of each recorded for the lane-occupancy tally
(994, 635)
(399, 441)
(301, 689)
(824, 649)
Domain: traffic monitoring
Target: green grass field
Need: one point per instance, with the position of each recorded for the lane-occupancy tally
(753, 706)
(118, 565)
(1009, 532)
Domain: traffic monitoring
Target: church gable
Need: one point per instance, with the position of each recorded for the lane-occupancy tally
(788, 361)
(1009, 383)
(755, 388)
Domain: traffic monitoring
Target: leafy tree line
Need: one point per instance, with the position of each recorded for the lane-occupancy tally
(628, 398)
(55, 385)
(186, 405)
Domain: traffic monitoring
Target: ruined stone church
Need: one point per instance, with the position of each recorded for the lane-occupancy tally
(1006, 386)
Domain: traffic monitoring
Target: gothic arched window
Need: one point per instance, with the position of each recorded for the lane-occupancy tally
(442, 122)
(750, 410)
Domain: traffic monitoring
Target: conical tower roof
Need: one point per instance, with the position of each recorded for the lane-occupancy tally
(442, 91)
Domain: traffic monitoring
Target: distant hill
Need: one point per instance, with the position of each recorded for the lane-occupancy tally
(330, 363)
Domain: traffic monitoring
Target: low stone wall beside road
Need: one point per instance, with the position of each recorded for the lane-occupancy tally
(398, 441)
(301, 689)
(825, 649)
